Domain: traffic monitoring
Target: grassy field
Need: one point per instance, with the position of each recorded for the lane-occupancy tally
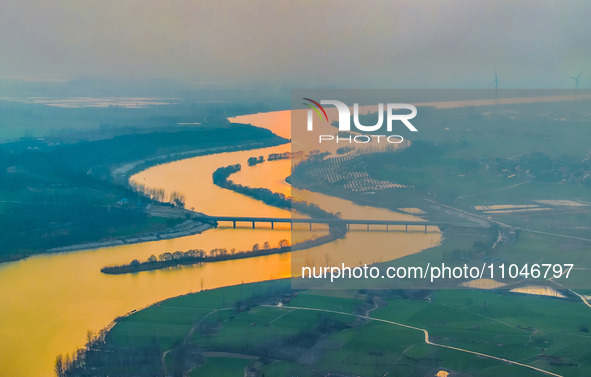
(516, 327)
(170, 320)
(517, 157)
(482, 156)
(548, 333)
(222, 367)
(528, 248)
(314, 333)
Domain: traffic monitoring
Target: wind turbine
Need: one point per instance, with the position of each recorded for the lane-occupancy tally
(496, 82)
(577, 79)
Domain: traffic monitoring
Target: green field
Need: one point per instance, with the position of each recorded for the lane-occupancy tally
(477, 332)
(300, 338)
(222, 367)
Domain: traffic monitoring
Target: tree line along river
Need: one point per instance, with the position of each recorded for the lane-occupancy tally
(50, 301)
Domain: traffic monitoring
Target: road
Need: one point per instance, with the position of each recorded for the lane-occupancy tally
(507, 225)
(426, 337)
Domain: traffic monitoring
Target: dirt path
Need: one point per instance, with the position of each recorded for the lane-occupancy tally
(187, 337)
(375, 306)
(426, 333)
(468, 213)
(554, 234)
(581, 297)
(286, 313)
(488, 192)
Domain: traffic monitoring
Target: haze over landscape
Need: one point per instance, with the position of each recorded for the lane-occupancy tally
(374, 44)
(194, 188)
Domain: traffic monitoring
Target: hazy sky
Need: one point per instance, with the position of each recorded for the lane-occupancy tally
(305, 44)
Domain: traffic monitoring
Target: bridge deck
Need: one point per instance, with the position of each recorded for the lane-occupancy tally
(323, 221)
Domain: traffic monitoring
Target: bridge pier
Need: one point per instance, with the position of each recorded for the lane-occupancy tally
(215, 220)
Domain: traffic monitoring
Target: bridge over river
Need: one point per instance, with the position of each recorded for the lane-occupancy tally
(330, 221)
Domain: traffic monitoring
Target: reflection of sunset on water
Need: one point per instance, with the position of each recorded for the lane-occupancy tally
(483, 284)
(538, 291)
(357, 246)
(59, 315)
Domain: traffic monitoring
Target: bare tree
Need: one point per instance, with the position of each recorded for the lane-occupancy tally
(309, 262)
(89, 339)
(67, 362)
(59, 365)
(327, 260)
(178, 199)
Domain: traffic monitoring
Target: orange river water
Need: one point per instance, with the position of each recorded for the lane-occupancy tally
(48, 302)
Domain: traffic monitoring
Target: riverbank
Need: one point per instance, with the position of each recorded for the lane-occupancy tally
(78, 285)
(269, 321)
(80, 195)
(186, 228)
(128, 169)
(12, 258)
(183, 228)
(187, 261)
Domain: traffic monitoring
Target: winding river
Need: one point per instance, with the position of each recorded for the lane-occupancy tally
(48, 302)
